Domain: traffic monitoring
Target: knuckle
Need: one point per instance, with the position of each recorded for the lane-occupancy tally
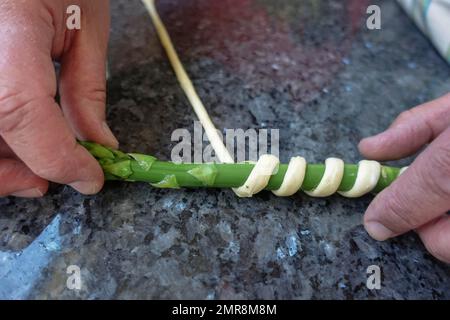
(13, 109)
(96, 94)
(59, 167)
(398, 214)
(90, 90)
(439, 181)
(53, 171)
(405, 115)
(50, 171)
(442, 156)
(65, 167)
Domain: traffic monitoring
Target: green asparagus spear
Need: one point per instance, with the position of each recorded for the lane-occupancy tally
(162, 174)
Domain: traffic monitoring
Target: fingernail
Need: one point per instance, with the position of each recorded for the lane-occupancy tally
(107, 131)
(29, 193)
(378, 231)
(86, 187)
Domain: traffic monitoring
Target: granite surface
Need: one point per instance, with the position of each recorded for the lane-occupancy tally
(309, 68)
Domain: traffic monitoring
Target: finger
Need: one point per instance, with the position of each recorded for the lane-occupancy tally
(418, 196)
(17, 180)
(436, 237)
(83, 78)
(31, 122)
(54, 157)
(409, 132)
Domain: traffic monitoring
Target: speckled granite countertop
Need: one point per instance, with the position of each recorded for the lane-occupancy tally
(309, 68)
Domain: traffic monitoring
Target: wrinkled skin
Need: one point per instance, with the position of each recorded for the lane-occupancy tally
(38, 137)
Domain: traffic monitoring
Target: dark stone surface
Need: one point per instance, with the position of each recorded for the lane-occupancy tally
(309, 68)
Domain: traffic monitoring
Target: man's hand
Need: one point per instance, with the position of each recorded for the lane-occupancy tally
(37, 137)
(420, 198)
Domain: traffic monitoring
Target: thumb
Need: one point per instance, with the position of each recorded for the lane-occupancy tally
(83, 76)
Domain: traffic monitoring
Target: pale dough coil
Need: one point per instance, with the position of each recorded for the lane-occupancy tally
(366, 179)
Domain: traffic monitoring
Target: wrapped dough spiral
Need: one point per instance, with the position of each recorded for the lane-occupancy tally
(366, 179)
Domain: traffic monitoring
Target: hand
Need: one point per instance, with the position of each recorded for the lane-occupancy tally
(420, 198)
(37, 137)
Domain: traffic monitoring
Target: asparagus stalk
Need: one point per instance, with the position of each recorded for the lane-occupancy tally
(162, 174)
